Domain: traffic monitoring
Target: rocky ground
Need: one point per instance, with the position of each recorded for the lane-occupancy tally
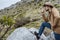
(28, 34)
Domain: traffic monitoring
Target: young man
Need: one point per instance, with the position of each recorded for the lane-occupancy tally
(52, 21)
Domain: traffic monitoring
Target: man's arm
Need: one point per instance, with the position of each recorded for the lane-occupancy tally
(56, 20)
(56, 16)
(44, 17)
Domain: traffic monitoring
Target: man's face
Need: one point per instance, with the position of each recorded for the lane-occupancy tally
(46, 8)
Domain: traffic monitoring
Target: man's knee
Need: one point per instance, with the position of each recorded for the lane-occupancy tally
(44, 23)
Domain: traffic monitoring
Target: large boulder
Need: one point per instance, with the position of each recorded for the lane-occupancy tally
(32, 30)
(51, 36)
(23, 33)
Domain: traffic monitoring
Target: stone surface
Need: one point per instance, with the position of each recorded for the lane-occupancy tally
(50, 37)
(21, 34)
(28, 34)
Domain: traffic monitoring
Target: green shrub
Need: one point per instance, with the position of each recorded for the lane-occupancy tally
(7, 20)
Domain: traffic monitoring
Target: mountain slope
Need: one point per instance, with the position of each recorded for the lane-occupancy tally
(22, 10)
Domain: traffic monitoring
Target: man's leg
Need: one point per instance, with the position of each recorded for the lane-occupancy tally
(44, 24)
(57, 36)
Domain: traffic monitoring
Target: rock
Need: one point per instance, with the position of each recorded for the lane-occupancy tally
(33, 30)
(21, 34)
(24, 34)
(51, 37)
(43, 37)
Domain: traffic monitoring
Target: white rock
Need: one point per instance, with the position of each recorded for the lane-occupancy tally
(43, 37)
(25, 34)
(33, 30)
(51, 36)
(21, 34)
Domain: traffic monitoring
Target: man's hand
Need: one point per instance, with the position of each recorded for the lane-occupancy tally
(43, 11)
(43, 15)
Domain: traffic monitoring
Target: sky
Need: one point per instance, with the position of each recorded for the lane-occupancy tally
(7, 3)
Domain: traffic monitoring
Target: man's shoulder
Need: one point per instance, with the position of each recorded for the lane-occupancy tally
(55, 11)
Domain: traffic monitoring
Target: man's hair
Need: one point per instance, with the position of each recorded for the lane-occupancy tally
(49, 4)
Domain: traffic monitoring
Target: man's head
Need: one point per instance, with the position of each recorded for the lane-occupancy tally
(48, 6)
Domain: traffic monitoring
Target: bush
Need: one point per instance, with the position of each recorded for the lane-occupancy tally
(6, 20)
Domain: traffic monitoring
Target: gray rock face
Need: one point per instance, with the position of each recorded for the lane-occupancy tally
(43, 37)
(50, 37)
(21, 34)
(33, 30)
(27, 34)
